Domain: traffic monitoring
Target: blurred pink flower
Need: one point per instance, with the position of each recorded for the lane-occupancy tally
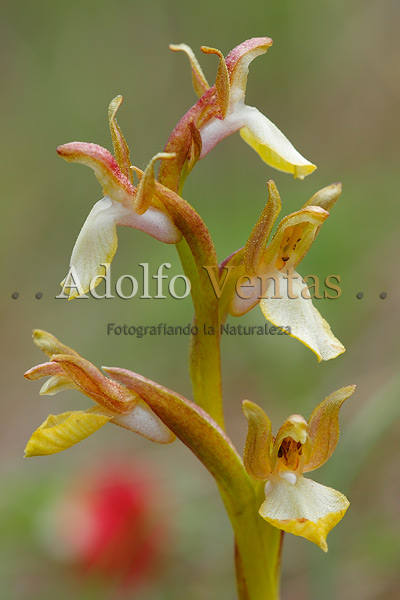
(107, 524)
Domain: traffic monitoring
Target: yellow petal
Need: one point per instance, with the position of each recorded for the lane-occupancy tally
(257, 449)
(121, 149)
(298, 313)
(222, 81)
(294, 427)
(326, 197)
(261, 134)
(257, 242)
(323, 427)
(304, 508)
(59, 432)
(271, 144)
(146, 187)
(294, 236)
(49, 344)
(200, 84)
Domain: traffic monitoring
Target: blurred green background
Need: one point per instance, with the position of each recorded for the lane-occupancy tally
(330, 82)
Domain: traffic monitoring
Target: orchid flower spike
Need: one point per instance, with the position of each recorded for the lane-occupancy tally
(97, 242)
(268, 277)
(294, 503)
(221, 111)
(114, 403)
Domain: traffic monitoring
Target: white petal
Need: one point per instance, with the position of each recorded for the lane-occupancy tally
(245, 296)
(144, 421)
(304, 508)
(96, 244)
(217, 129)
(261, 134)
(299, 314)
(154, 222)
(97, 241)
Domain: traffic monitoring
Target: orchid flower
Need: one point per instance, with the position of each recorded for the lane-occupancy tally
(114, 402)
(269, 276)
(122, 205)
(294, 503)
(221, 111)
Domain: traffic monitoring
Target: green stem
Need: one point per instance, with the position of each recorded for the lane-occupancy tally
(257, 551)
(196, 251)
(204, 354)
(257, 544)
